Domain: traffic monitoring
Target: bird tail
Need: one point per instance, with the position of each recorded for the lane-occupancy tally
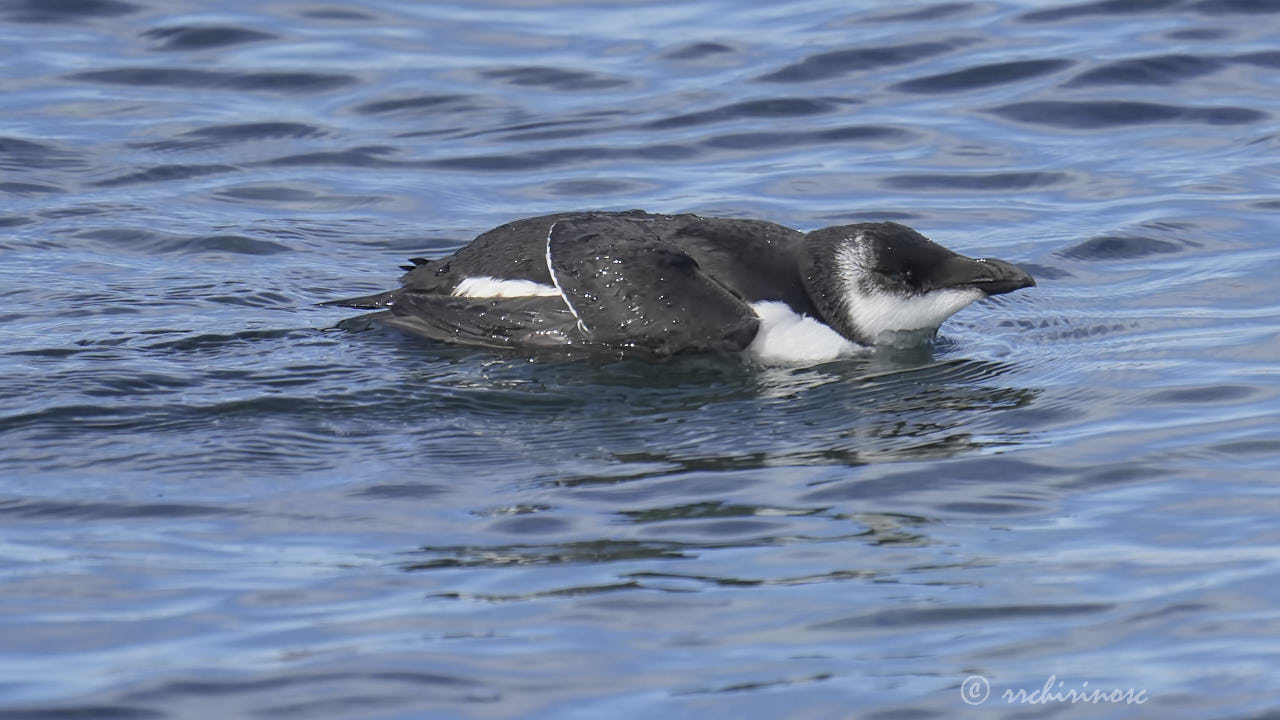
(376, 301)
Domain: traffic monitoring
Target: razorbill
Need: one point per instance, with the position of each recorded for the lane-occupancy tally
(638, 282)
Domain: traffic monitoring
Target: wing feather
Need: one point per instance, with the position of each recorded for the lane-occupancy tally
(627, 288)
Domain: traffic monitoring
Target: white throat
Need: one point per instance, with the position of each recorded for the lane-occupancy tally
(879, 313)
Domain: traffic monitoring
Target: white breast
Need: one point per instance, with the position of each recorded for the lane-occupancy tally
(483, 286)
(786, 337)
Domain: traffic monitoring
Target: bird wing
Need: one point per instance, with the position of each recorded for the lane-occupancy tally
(504, 323)
(629, 289)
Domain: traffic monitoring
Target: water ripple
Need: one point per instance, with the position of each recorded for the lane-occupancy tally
(701, 51)
(215, 136)
(1119, 247)
(54, 509)
(70, 712)
(164, 173)
(18, 154)
(42, 11)
(762, 140)
(185, 37)
(927, 616)
(838, 63)
(1097, 114)
(1156, 70)
(767, 108)
(1142, 7)
(280, 82)
(983, 76)
(931, 12)
(555, 78)
(982, 182)
(156, 243)
(422, 104)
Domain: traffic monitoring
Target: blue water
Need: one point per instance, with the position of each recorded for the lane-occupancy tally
(217, 502)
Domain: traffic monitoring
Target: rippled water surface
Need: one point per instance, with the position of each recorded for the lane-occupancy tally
(216, 502)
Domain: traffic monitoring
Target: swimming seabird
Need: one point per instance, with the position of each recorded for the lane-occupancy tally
(638, 282)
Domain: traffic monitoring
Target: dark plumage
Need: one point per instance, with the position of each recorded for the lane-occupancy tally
(666, 284)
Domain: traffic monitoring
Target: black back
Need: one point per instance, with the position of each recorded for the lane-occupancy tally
(630, 288)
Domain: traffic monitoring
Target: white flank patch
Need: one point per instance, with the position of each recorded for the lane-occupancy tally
(484, 286)
(881, 313)
(790, 338)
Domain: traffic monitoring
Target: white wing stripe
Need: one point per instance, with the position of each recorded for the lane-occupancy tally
(552, 271)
